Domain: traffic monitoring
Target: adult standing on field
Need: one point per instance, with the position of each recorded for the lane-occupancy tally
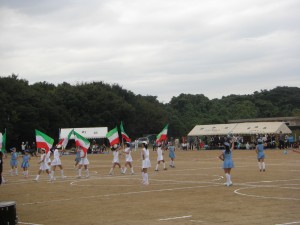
(228, 164)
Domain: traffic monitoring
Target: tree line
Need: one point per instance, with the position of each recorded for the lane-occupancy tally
(48, 107)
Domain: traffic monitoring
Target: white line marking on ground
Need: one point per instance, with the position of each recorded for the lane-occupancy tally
(237, 191)
(175, 218)
(29, 223)
(289, 223)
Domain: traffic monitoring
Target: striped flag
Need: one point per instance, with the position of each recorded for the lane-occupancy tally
(113, 136)
(163, 134)
(64, 141)
(124, 135)
(2, 142)
(43, 140)
(81, 141)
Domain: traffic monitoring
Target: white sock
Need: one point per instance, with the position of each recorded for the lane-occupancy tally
(259, 165)
(146, 178)
(52, 174)
(124, 170)
(227, 178)
(143, 176)
(87, 173)
(17, 171)
(62, 173)
(111, 170)
(79, 172)
(131, 170)
(37, 177)
(263, 165)
(156, 168)
(164, 165)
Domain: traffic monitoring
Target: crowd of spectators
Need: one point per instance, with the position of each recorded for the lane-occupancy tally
(271, 141)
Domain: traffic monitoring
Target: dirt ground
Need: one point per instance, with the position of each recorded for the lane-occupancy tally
(192, 193)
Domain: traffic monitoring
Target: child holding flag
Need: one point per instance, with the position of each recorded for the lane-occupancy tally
(116, 162)
(57, 162)
(160, 157)
(145, 163)
(43, 164)
(83, 162)
(128, 159)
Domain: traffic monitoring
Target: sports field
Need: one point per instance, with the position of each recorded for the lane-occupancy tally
(191, 193)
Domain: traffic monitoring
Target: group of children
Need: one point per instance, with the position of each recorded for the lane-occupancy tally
(228, 164)
(48, 166)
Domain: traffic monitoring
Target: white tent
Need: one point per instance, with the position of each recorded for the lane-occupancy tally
(213, 129)
(262, 128)
(240, 128)
(87, 132)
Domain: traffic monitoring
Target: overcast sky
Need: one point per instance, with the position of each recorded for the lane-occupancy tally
(154, 47)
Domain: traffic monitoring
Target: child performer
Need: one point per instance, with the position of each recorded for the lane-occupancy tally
(25, 163)
(145, 163)
(2, 181)
(14, 161)
(128, 159)
(57, 162)
(77, 158)
(260, 155)
(160, 157)
(43, 165)
(83, 162)
(228, 164)
(48, 159)
(171, 149)
(116, 162)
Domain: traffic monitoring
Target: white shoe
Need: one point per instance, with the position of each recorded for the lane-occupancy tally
(87, 176)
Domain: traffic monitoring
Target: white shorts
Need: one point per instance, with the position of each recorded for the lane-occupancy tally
(56, 162)
(160, 158)
(146, 163)
(44, 166)
(84, 161)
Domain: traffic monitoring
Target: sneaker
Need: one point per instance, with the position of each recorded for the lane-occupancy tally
(132, 173)
(156, 170)
(165, 169)
(78, 177)
(87, 176)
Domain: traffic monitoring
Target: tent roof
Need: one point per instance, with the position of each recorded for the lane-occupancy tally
(261, 128)
(240, 128)
(213, 129)
(87, 132)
